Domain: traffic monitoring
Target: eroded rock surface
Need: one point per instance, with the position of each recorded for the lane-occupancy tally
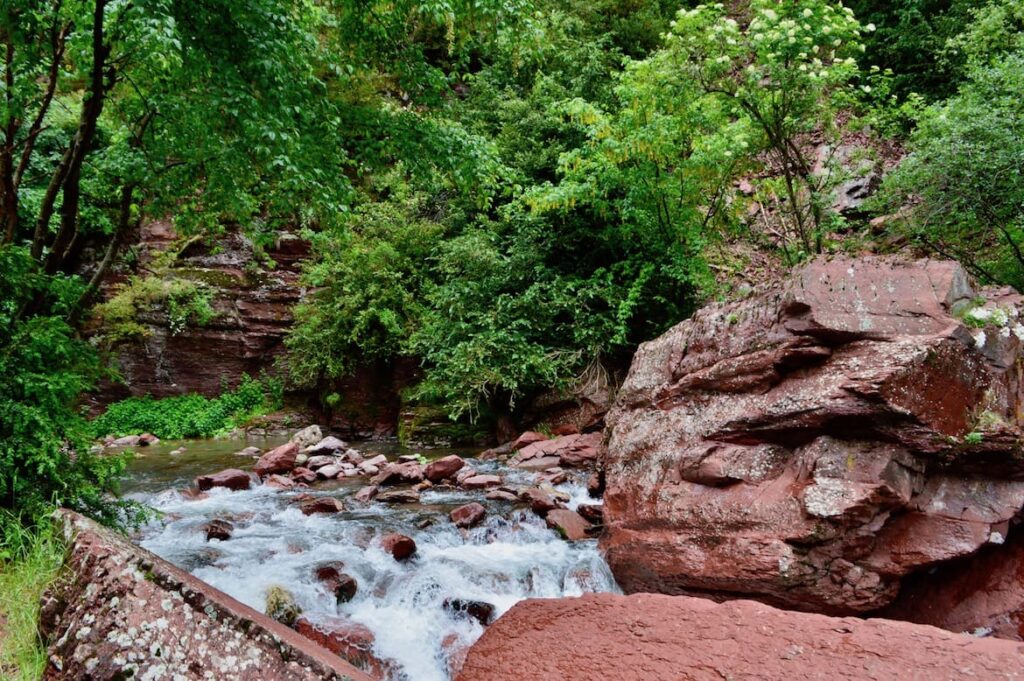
(813, 444)
(983, 593)
(121, 612)
(649, 636)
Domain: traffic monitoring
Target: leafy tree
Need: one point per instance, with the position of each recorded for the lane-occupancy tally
(44, 442)
(962, 188)
(785, 72)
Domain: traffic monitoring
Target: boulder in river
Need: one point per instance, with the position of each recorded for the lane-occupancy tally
(148, 439)
(279, 482)
(570, 524)
(399, 496)
(126, 441)
(539, 500)
(468, 515)
(814, 443)
(481, 482)
(408, 472)
(345, 638)
(321, 505)
(592, 513)
(319, 461)
(399, 546)
(328, 445)
(338, 582)
(218, 529)
(248, 451)
(281, 605)
(329, 472)
(278, 460)
(232, 478)
(443, 468)
(307, 437)
(305, 475)
(366, 494)
(651, 636)
(481, 611)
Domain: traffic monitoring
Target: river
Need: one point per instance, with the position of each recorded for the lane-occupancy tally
(510, 556)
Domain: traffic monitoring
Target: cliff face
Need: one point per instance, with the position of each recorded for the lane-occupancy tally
(251, 296)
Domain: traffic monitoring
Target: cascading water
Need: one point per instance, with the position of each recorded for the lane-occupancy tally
(512, 555)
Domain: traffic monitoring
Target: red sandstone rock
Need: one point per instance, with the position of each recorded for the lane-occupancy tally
(806, 445)
(408, 472)
(569, 524)
(647, 636)
(398, 545)
(464, 474)
(501, 495)
(592, 513)
(540, 501)
(305, 475)
(232, 478)
(279, 482)
(321, 505)
(218, 529)
(121, 612)
(339, 583)
(366, 494)
(455, 649)
(527, 438)
(984, 593)
(481, 482)
(439, 470)
(278, 460)
(328, 445)
(147, 439)
(348, 640)
(468, 515)
(399, 496)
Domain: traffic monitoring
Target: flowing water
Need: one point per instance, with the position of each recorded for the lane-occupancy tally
(509, 557)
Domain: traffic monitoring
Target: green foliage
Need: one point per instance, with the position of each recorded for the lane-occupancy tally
(963, 184)
(45, 455)
(188, 416)
(185, 302)
(367, 286)
(30, 560)
(785, 74)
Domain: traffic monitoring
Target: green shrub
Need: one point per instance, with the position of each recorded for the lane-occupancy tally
(191, 415)
(44, 441)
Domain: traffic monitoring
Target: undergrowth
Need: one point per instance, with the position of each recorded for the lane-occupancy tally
(30, 560)
(188, 416)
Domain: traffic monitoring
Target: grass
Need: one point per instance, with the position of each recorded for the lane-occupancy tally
(29, 561)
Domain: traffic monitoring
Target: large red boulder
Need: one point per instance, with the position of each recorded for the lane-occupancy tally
(232, 478)
(813, 444)
(649, 636)
(278, 460)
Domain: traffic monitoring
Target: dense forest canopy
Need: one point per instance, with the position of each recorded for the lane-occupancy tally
(514, 193)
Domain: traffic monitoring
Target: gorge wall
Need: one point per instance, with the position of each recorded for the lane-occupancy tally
(252, 297)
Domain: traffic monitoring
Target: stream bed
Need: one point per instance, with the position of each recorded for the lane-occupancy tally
(508, 557)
